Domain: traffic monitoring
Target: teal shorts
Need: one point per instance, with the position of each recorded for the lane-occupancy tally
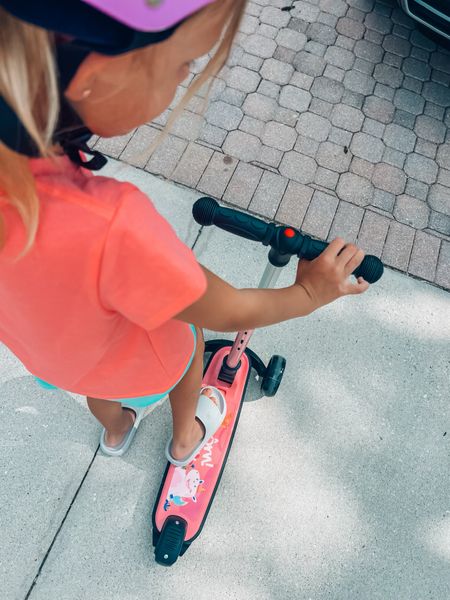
(139, 401)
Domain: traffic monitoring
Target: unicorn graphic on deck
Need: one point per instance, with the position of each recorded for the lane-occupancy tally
(183, 487)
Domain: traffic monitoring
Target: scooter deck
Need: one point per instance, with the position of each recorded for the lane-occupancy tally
(186, 493)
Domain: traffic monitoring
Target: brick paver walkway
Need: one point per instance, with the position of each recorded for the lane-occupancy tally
(332, 117)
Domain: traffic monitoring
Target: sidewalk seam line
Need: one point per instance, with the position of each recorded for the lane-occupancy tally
(41, 566)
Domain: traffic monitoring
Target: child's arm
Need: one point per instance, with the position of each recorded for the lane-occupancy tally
(318, 282)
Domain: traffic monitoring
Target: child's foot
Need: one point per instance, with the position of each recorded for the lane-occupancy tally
(181, 449)
(114, 439)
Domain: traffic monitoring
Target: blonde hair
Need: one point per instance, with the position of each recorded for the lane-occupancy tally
(28, 83)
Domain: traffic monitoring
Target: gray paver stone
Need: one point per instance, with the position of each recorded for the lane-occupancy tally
(242, 145)
(298, 167)
(217, 175)
(347, 222)
(422, 41)
(384, 91)
(350, 28)
(224, 115)
(267, 31)
(444, 177)
(373, 36)
(421, 168)
(284, 55)
(324, 34)
(439, 199)
(397, 249)
(250, 61)
(327, 89)
(243, 79)
(233, 96)
(259, 106)
(424, 256)
(394, 157)
(270, 156)
(139, 148)
(268, 88)
(440, 222)
(309, 64)
(416, 68)
(279, 136)
(362, 167)
(337, 8)
(437, 93)
(277, 71)
(426, 148)
(243, 184)
(305, 11)
(248, 24)
(353, 99)
(320, 215)
(340, 136)
(333, 157)
(315, 48)
(383, 200)
(389, 178)
(301, 80)
(166, 156)
(252, 125)
(367, 147)
(368, 51)
(430, 129)
(212, 135)
(294, 204)
(440, 61)
(114, 146)
(298, 25)
(373, 232)
(409, 101)
(268, 194)
(326, 178)
(373, 127)
(378, 22)
(355, 189)
(294, 98)
(328, 19)
(321, 107)
(397, 45)
(410, 211)
(347, 117)
(392, 59)
(335, 73)
(404, 119)
(286, 116)
(378, 108)
(417, 189)
(364, 66)
(339, 57)
(359, 82)
(433, 110)
(313, 126)
(443, 267)
(188, 125)
(274, 16)
(443, 156)
(259, 45)
(388, 75)
(192, 164)
(291, 39)
(306, 146)
(412, 84)
(399, 138)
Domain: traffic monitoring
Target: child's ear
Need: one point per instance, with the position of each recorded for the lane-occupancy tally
(87, 76)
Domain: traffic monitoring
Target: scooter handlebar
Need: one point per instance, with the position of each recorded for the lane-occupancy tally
(286, 240)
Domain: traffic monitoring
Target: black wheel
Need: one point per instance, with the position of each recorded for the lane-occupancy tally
(273, 375)
(170, 541)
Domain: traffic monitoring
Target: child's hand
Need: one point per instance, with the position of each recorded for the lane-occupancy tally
(326, 278)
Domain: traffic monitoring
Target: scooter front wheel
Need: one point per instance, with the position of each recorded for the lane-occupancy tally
(273, 375)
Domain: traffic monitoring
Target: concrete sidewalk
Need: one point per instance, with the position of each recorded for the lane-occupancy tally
(336, 489)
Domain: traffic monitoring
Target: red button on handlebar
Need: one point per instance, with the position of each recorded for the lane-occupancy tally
(289, 232)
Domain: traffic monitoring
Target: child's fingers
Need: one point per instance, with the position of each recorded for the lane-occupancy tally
(334, 247)
(354, 261)
(359, 287)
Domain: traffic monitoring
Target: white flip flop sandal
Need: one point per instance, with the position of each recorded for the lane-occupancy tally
(121, 448)
(210, 415)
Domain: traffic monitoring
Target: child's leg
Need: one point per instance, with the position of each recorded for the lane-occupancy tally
(187, 431)
(115, 419)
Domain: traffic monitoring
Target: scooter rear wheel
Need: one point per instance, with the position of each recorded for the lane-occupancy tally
(170, 541)
(273, 375)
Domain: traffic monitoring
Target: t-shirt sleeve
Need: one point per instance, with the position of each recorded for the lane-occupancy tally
(147, 274)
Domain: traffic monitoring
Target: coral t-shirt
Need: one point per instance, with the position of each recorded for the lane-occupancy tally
(90, 307)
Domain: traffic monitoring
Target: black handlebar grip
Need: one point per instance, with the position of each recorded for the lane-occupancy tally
(371, 268)
(206, 211)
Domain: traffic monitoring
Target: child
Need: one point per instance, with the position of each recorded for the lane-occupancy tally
(97, 294)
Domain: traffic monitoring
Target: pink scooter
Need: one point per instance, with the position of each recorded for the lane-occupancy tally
(186, 493)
